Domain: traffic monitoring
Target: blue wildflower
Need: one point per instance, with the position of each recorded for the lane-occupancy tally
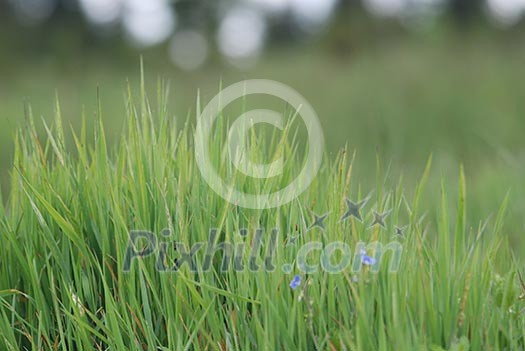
(367, 260)
(296, 281)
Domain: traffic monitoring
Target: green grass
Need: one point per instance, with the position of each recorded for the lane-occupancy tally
(65, 227)
(460, 99)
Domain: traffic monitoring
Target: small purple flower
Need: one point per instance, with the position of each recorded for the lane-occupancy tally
(367, 260)
(296, 281)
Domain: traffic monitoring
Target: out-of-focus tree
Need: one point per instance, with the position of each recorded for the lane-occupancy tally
(465, 11)
(348, 29)
(239, 29)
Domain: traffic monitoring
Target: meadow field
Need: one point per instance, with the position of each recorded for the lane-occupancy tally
(460, 100)
(419, 196)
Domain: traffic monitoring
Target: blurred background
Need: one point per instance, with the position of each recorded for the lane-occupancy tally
(400, 78)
